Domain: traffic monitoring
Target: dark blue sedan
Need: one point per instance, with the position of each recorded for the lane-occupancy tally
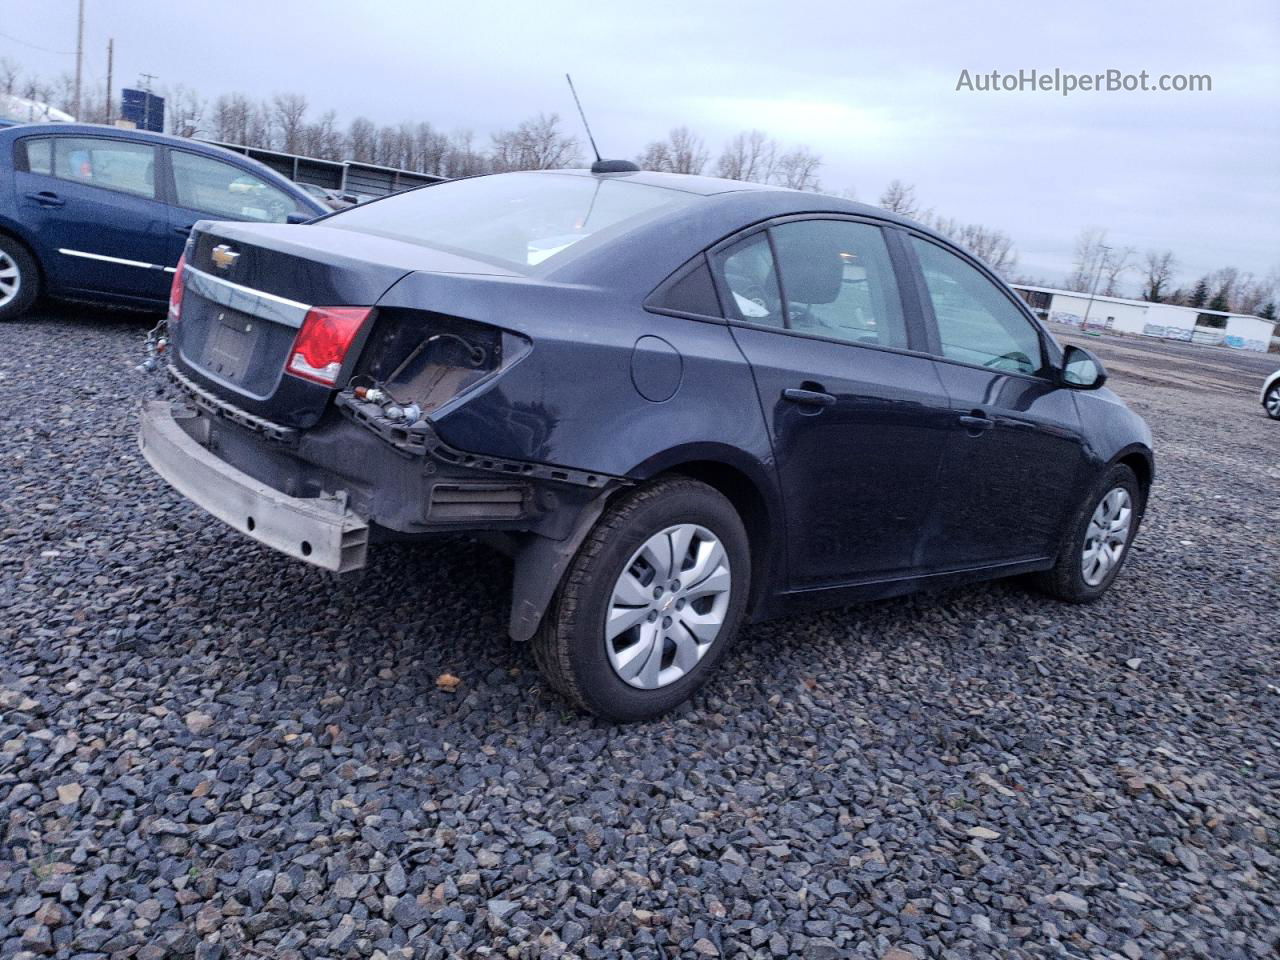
(680, 403)
(100, 214)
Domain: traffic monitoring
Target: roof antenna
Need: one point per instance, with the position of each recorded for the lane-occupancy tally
(600, 166)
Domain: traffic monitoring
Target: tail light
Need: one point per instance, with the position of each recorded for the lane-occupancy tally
(323, 341)
(175, 291)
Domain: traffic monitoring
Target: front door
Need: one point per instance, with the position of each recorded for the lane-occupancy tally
(856, 422)
(1015, 448)
(92, 204)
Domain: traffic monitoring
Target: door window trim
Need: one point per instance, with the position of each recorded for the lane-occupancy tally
(1050, 352)
(159, 158)
(917, 342)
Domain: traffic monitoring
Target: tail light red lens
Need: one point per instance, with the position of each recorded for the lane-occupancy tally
(323, 341)
(175, 291)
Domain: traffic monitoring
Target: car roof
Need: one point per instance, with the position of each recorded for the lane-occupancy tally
(785, 199)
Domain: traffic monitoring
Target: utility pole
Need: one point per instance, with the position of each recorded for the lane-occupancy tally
(79, 57)
(111, 49)
(1102, 260)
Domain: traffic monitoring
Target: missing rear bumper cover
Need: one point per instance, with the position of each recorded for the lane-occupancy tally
(420, 439)
(477, 501)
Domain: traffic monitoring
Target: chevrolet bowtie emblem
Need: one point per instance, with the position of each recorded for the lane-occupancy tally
(223, 256)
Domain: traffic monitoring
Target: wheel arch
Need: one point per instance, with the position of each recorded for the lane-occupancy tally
(750, 487)
(1138, 459)
(9, 233)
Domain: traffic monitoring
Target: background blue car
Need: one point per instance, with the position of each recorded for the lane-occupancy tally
(101, 214)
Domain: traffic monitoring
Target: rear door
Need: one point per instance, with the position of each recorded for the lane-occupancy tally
(856, 417)
(92, 202)
(1014, 445)
(206, 187)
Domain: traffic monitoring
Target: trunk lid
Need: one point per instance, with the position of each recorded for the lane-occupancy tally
(247, 290)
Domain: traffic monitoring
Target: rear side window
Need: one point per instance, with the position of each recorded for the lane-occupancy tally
(225, 190)
(977, 323)
(749, 273)
(97, 162)
(39, 155)
(838, 282)
(691, 291)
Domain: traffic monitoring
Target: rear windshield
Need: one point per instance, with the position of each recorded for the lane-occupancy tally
(516, 219)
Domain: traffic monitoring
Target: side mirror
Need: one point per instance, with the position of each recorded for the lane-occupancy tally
(1081, 370)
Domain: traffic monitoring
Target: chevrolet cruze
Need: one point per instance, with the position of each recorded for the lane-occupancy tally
(679, 403)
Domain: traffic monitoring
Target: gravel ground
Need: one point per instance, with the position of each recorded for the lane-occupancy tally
(209, 750)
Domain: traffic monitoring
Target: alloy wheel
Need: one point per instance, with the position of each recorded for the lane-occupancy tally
(1107, 536)
(668, 606)
(10, 278)
(1273, 401)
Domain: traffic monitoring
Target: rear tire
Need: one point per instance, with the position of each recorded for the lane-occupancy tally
(19, 279)
(1271, 403)
(1093, 551)
(624, 637)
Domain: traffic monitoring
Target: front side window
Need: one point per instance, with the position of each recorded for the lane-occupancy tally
(748, 271)
(977, 323)
(516, 219)
(838, 282)
(225, 190)
(98, 162)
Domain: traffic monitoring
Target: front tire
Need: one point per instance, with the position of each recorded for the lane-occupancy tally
(649, 604)
(19, 279)
(1097, 541)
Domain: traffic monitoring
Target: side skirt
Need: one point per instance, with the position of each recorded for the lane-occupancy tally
(822, 598)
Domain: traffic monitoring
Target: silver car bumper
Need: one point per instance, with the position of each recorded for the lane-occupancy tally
(320, 531)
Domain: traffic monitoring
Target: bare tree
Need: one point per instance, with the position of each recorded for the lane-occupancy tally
(430, 148)
(1090, 249)
(1160, 265)
(230, 119)
(184, 111)
(258, 126)
(289, 114)
(656, 156)
(751, 155)
(1222, 285)
(682, 152)
(798, 169)
(9, 73)
(1115, 264)
(994, 247)
(362, 140)
(537, 144)
(462, 159)
(900, 198)
(321, 138)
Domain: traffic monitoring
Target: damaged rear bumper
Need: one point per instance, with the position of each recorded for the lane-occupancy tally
(319, 530)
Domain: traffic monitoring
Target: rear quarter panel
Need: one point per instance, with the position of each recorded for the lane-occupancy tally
(572, 400)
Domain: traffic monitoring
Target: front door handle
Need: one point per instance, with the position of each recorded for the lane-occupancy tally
(976, 422)
(47, 198)
(810, 398)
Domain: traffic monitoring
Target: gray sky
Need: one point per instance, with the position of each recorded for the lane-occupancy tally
(871, 87)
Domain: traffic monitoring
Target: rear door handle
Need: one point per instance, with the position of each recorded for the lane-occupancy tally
(47, 198)
(810, 398)
(977, 422)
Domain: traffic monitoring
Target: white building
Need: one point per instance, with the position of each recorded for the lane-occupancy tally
(1140, 318)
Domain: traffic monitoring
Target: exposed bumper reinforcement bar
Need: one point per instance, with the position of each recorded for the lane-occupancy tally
(320, 531)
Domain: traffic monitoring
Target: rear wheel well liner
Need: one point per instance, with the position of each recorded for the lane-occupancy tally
(540, 563)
